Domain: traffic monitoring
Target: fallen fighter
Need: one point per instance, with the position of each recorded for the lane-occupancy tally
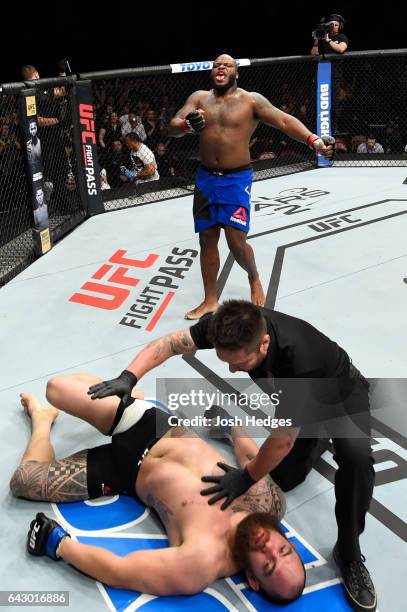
(164, 471)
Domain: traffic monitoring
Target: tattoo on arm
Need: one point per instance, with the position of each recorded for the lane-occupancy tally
(60, 481)
(264, 496)
(157, 347)
(180, 342)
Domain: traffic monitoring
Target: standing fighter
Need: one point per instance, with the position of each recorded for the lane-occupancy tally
(225, 118)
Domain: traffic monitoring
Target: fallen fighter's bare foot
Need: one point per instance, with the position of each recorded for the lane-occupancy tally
(257, 293)
(34, 409)
(201, 310)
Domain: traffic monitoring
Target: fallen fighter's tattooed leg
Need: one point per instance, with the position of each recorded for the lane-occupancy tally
(60, 481)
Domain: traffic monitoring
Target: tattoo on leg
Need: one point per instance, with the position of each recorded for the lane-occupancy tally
(59, 481)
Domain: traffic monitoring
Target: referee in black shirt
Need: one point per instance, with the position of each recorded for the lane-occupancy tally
(325, 392)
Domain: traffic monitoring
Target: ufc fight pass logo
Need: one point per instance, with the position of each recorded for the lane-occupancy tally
(88, 135)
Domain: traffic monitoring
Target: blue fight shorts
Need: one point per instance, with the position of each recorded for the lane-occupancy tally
(222, 197)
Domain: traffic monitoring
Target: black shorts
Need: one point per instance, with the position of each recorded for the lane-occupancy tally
(113, 468)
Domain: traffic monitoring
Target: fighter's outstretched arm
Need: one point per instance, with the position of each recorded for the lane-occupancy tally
(178, 570)
(153, 355)
(273, 116)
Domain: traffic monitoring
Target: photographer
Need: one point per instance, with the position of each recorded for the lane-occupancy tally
(328, 37)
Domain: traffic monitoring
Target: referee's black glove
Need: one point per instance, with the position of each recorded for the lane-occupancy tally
(231, 485)
(121, 386)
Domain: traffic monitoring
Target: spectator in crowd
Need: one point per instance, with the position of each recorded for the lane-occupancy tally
(131, 124)
(103, 180)
(30, 73)
(8, 139)
(341, 145)
(105, 113)
(370, 146)
(344, 108)
(118, 158)
(70, 182)
(126, 108)
(163, 161)
(393, 136)
(110, 132)
(356, 140)
(142, 108)
(143, 162)
(335, 41)
(10, 163)
(152, 127)
(163, 118)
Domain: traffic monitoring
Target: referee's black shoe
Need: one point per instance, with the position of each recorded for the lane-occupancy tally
(359, 588)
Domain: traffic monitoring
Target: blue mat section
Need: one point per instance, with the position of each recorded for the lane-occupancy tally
(328, 599)
(121, 598)
(123, 510)
(87, 517)
(306, 555)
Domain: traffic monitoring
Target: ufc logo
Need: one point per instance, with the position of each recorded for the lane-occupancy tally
(34, 532)
(116, 273)
(87, 119)
(332, 223)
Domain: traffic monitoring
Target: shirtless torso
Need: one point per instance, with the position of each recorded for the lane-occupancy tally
(169, 481)
(230, 121)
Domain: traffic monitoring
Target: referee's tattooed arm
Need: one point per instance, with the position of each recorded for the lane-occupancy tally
(158, 351)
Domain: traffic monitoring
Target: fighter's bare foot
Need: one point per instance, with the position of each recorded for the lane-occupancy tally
(257, 293)
(33, 408)
(201, 310)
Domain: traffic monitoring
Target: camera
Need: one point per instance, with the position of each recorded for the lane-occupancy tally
(321, 30)
(64, 67)
(325, 26)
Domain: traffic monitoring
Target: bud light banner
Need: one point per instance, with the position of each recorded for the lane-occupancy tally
(324, 106)
(89, 170)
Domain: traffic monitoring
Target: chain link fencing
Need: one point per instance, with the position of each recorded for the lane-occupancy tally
(55, 130)
(57, 163)
(369, 109)
(16, 214)
(144, 105)
(369, 122)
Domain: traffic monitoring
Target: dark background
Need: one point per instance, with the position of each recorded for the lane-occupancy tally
(143, 32)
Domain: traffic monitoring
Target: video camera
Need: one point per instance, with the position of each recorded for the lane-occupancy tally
(64, 67)
(325, 26)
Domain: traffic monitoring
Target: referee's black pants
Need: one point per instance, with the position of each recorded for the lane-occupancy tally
(354, 478)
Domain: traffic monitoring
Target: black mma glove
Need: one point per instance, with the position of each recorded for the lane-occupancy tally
(121, 386)
(231, 485)
(194, 122)
(318, 142)
(44, 536)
